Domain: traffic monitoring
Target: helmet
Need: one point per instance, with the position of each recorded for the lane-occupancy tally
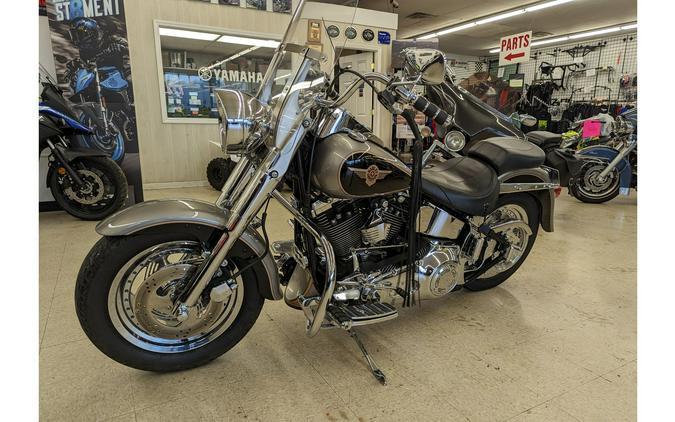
(85, 32)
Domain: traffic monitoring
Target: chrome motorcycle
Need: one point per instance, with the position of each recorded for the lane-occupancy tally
(173, 284)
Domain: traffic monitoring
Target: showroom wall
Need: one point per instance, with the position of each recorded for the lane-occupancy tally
(619, 53)
(177, 153)
(174, 153)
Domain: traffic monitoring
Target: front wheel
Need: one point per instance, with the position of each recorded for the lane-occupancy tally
(522, 207)
(590, 188)
(103, 192)
(127, 287)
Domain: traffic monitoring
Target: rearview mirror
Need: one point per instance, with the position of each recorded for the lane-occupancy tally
(427, 63)
(528, 120)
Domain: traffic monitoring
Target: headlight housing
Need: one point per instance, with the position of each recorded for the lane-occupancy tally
(241, 116)
(455, 141)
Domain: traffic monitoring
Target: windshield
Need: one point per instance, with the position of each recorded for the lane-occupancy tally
(300, 71)
(308, 28)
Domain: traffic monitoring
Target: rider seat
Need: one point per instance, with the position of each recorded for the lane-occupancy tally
(544, 140)
(462, 184)
(506, 154)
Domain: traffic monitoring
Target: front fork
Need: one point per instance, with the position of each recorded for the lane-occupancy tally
(74, 176)
(615, 162)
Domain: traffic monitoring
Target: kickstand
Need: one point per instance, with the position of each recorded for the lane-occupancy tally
(371, 363)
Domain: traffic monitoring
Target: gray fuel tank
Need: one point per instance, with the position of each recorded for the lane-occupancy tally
(354, 166)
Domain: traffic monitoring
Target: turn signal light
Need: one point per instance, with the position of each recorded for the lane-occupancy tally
(557, 191)
(61, 171)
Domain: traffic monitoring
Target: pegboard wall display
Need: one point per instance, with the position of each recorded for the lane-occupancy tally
(601, 69)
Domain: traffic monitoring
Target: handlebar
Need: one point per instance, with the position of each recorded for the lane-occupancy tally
(432, 111)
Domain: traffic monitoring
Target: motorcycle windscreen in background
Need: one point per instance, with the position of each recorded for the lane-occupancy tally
(91, 55)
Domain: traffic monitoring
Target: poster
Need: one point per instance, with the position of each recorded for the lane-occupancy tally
(256, 4)
(91, 56)
(281, 6)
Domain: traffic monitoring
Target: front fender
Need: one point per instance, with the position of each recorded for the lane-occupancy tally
(545, 197)
(146, 215)
(607, 153)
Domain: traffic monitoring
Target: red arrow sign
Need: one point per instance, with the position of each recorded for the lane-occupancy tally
(512, 56)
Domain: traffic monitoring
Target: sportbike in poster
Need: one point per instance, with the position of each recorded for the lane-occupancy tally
(91, 55)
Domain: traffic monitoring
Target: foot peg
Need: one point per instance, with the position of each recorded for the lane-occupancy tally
(377, 373)
(348, 316)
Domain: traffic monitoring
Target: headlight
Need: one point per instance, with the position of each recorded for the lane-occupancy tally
(238, 113)
(455, 141)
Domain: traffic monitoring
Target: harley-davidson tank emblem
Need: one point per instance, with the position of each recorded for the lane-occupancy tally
(372, 174)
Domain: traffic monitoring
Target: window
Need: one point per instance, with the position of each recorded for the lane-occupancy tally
(196, 62)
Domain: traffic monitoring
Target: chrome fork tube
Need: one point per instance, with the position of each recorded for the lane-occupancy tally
(228, 192)
(244, 210)
(615, 162)
(329, 286)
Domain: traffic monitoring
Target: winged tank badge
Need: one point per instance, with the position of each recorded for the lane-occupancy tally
(372, 174)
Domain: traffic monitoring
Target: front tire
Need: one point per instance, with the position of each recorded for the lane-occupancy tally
(522, 206)
(125, 311)
(587, 188)
(104, 192)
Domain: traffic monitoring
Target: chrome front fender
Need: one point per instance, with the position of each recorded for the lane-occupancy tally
(146, 215)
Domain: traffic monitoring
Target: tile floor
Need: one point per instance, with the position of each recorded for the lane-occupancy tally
(557, 342)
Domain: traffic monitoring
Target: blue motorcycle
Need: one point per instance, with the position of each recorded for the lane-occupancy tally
(84, 181)
(102, 101)
(609, 169)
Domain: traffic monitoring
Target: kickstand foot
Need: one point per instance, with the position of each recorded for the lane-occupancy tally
(377, 373)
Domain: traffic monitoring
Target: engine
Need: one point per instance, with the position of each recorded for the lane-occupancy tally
(362, 223)
(367, 237)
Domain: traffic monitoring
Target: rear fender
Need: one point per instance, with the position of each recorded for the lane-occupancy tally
(150, 216)
(608, 154)
(543, 181)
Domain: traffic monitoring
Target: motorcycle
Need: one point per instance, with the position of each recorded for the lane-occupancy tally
(96, 89)
(609, 169)
(85, 182)
(594, 174)
(173, 284)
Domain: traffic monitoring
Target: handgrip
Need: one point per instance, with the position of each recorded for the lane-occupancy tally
(432, 110)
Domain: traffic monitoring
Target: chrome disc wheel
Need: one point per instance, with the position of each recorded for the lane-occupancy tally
(142, 296)
(517, 238)
(594, 187)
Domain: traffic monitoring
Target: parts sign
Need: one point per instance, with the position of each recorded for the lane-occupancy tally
(515, 48)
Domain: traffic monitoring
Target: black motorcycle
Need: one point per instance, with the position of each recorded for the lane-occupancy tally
(85, 182)
(476, 121)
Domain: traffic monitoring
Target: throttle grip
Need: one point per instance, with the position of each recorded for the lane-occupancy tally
(432, 110)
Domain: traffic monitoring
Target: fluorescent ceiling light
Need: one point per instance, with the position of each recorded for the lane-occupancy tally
(249, 41)
(495, 50)
(592, 33)
(500, 17)
(456, 28)
(549, 41)
(179, 33)
(426, 37)
(546, 5)
(631, 26)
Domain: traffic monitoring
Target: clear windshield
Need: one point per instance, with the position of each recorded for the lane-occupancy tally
(308, 28)
(300, 69)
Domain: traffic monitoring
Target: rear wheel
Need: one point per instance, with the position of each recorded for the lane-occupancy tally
(510, 207)
(127, 287)
(103, 192)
